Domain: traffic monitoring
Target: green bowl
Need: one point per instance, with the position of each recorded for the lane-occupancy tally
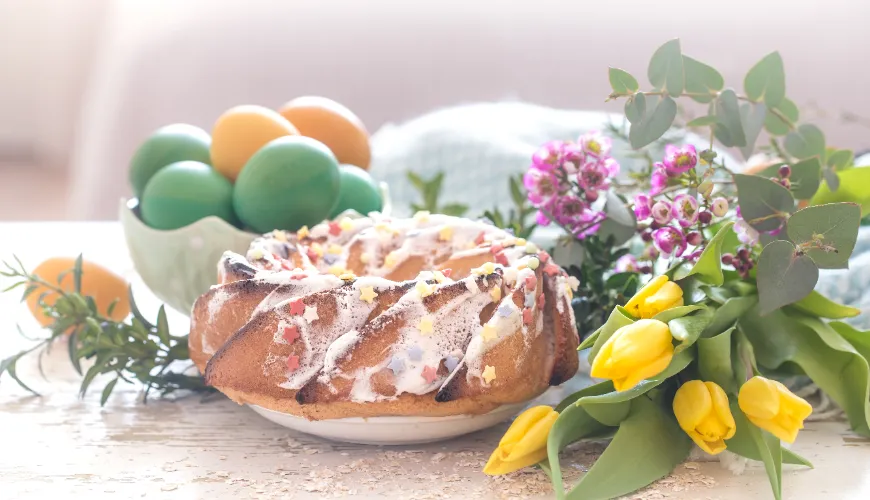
(181, 264)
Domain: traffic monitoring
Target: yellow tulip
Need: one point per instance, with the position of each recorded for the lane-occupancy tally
(658, 295)
(635, 352)
(770, 405)
(524, 443)
(703, 413)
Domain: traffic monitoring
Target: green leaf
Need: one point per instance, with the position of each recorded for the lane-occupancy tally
(805, 141)
(635, 108)
(620, 222)
(655, 123)
(454, 209)
(688, 328)
(859, 340)
(725, 317)
(592, 390)
(744, 445)
(107, 391)
(516, 189)
(752, 441)
(775, 125)
(611, 414)
(618, 318)
(833, 226)
(728, 116)
(702, 121)
(647, 447)
(752, 116)
(766, 80)
(832, 180)
(714, 360)
(855, 187)
(708, 268)
(676, 312)
(77, 274)
(162, 325)
(805, 178)
(701, 79)
(679, 363)
(573, 424)
(72, 349)
(665, 70)
(764, 204)
(134, 310)
(622, 82)
(840, 159)
(816, 304)
(784, 276)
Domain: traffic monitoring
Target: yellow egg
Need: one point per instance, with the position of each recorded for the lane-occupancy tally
(242, 131)
(332, 124)
(97, 282)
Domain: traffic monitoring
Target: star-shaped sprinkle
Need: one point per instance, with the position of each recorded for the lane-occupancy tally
(422, 216)
(365, 257)
(310, 314)
(488, 374)
(573, 283)
(531, 282)
(396, 364)
(316, 248)
(291, 333)
(445, 234)
(367, 293)
(527, 316)
(279, 235)
(346, 224)
(430, 374)
(312, 255)
(533, 263)
(293, 363)
(520, 242)
(302, 233)
(439, 276)
(424, 289)
(451, 362)
(505, 310)
(348, 276)
(390, 259)
(334, 228)
(447, 272)
(480, 238)
(415, 353)
(531, 248)
(488, 333)
(552, 269)
(426, 325)
(543, 256)
(336, 270)
(495, 293)
(501, 258)
(334, 249)
(255, 254)
(331, 258)
(297, 307)
(487, 268)
(496, 248)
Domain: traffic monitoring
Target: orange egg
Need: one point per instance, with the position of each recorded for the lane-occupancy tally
(240, 132)
(97, 282)
(332, 124)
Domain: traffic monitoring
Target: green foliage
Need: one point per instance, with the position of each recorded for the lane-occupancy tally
(785, 275)
(774, 122)
(729, 127)
(687, 329)
(137, 350)
(620, 224)
(430, 192)
(517, 219)
(826, 233)
(816, 304)
(708, 268)
(714, 360)
(766, 80)
(752, 116)
(655, 122)
(635, 107)
(764, 203)
(805, 141)
(757, 443)
(702, 81)
(622, 82)
(665, 70)
(679, 363)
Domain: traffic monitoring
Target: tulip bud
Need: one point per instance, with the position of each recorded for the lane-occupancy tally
(771, 406)
(633, 353)
(524, 443)
(658, 295)
(703, 413)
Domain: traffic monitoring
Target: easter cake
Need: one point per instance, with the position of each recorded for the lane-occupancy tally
(432, 315)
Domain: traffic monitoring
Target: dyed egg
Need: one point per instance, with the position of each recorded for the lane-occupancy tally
(357, 191)
(97, 282)
(332, 124)
(240, 132)
(290, 182)
(169, 144)
(185, 192)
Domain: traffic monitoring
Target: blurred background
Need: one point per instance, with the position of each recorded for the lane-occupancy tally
(83, 82)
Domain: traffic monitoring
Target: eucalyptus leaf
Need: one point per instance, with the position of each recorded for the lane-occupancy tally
(688, 329)
(618, 318)
(665, 70)
(635, 108)
(855, 187)
(784, 276)
(647, 447)
(840, 159)
(775, 125)
(714, 360)
(572, 425)
(805, 178)
(676, 312)
(708, 268)
(702, 121)
(701, 79)
(831, 179)
(816, 304)
(766, 80)
(655, 122)
(752, 115)
(620, 222)
(725, 317)
(622, 82)
(764, 204)
(679, 363)
(728, 115)
(805, 141)
(834, 227)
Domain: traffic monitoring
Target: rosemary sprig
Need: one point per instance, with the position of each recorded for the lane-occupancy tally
(134, 351)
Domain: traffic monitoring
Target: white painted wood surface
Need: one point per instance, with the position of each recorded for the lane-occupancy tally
(59, 446)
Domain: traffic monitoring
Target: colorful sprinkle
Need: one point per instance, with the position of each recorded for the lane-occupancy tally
(330, 259)
(573, 283)
(424, 289)
(291, 333)
(487, 268)
(480, 238)
(298, 276)
(531, 248)
(310, 314)
(543, 256)
(430, 374)
(505, 310)
(447, 272)
(445, 234)
(293, 362)
(297, 307)
(303, 232)
(335, 249)
(426, 325)
(520, 242)
(501, 258)
(336, 270)
(415, 353)
(488, 333)
(489, 373)
(552, 269)
(531, 282)
(439, 276)
(348, 276)
(529, 300)
(451, 362)
(495, 293)
(533, 263)
(367, 293)
(569, 292)
(312, 255)
(396, 364)
(541, 300)
(279, 235)
(365, 257)
(317, 249)
(256, 254)
(346, 224)
(495, 248)
(527, 316)
(422, 216)
(391, 259)
(334, 228)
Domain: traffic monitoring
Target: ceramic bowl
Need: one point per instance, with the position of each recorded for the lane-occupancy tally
(181, 264)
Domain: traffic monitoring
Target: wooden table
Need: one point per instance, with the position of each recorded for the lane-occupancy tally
(59, 446)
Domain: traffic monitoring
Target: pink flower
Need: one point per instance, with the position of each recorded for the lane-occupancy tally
(549, 156)
(595, 144)
(572, 158)
(569, 209)
(746, 233)
(541, 219)
(541, 186)
(650, 253)
(642, 206)
(626, 264)
(719, 207)
(670, 241)
(612, 167)
(589, 223)
(686, 209)
(661, 212)
(659, 179)
(593, 175)
(694, 238)
(680, 160)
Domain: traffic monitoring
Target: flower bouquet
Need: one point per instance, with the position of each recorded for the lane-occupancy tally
(730, 262)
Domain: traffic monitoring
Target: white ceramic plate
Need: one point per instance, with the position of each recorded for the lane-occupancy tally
(392, 430)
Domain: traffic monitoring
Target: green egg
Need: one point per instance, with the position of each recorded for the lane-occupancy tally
(357, 191)
(290, 182)
(169, 144)
(185, 192)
